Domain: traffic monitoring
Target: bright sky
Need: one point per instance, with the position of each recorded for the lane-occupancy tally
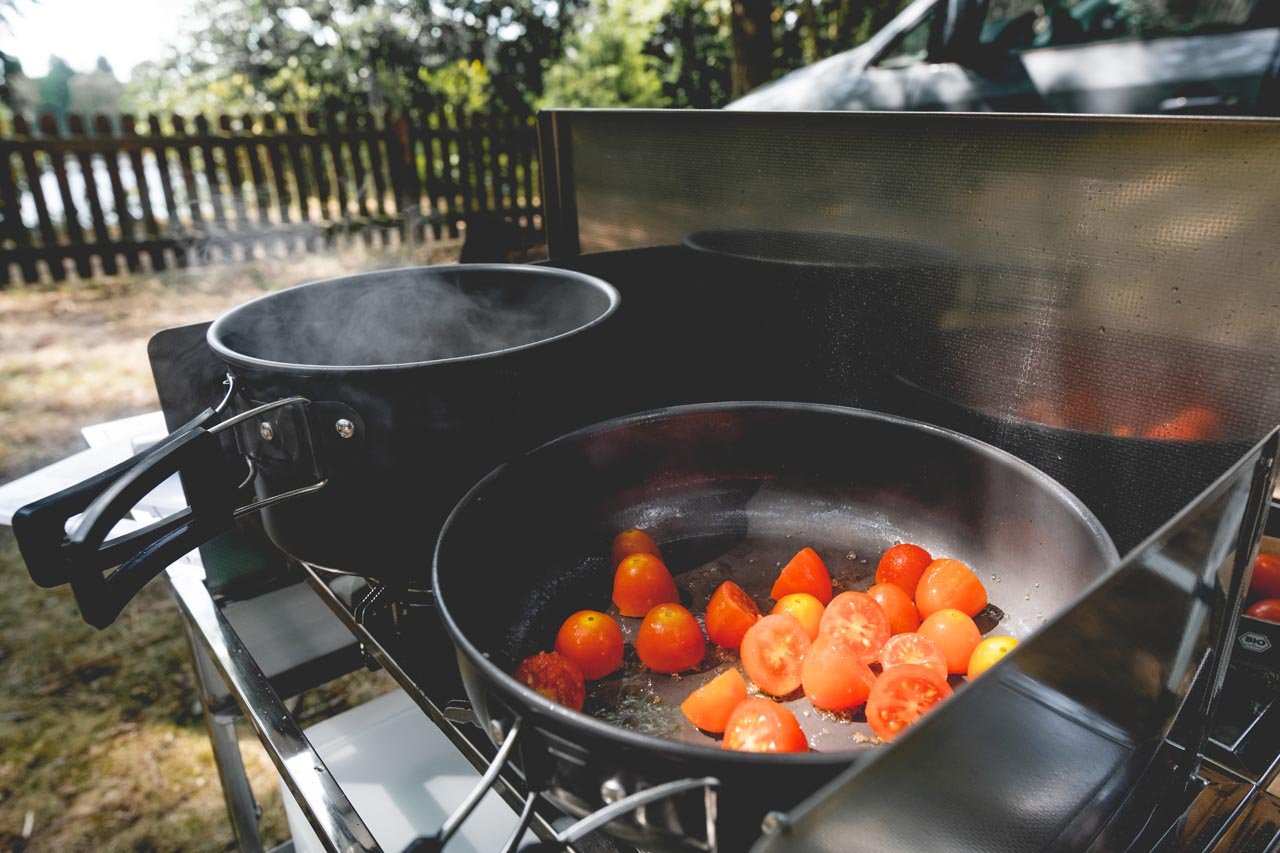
(126, 32)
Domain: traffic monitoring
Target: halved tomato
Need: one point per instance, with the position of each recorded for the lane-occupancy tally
(897, 606)
(949, 584)
(956, 637)
(641, 583)
(670, 639)
(710, 705)
(833, 679)
(762, 725)
(632, 541)
(1195, 423)
(903, 695)
(805, 573)
(593, 641)
(988, 653)
(854, 619)
(804, 607)
(729, 614)
(773, 653)
(913, 649)
(902, 565)
(554, 676)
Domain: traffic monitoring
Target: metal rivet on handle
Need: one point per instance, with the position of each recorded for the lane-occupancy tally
(266, 431)
(345, 428)
(612, 790)
(774, 822)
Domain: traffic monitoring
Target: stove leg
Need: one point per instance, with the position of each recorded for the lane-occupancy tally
(242, 809)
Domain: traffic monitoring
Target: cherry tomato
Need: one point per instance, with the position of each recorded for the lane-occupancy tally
(710, 705)
(633, 541)
(805, 573)
(1265, 581)
(804, 607)
(761, 725)
(1268, 609)
(1195, 423)
(729, 614)
(773, 652)
(897, 605)
(641, 583)
(903, 695)
(914, 649)
(955, 635)
(950, 584)
(988, 653)
(670, 639)
(902, 565)
(593, 641)
(554, 676)
(833, 679)
(854, 619)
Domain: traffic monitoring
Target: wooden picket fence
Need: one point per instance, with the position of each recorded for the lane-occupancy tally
(137, 194)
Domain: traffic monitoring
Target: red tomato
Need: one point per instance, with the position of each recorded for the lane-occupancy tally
(913, 649)
(1195, 423)
(805, 573)
(593, 641)
(773, 652)
(897, 605)
(710, 705)
(1268, 609)
(833, 679)
(729, 614)
(554, 676)
(903, 695)
(804, 607)
(902, 565)
(854, 619)
(950, 584)
(633, 541)
(1265, 581)
(670, 639)
(956, 637)
(641, 583)
(761, 725)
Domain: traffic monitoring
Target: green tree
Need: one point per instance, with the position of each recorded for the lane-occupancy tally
(54, 90)
(605, 64)
(691, 46)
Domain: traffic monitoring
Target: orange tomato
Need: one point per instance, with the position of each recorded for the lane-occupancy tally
(804, 607)
(805, 573)
(950, 584)
(903, 695)
(988, 653)
(773, 653)
(761, 725)
(855, 620)
(1268, 610)
(897, 605)
(641, 583)
(955, 635)
(593, 641)
(670, 639)
(902, 565)
(710, 705)
(833, 679)
(554, 676)
(915, 649)
(632, 541)
(729, 614)
(1265, 580)
(1195, 423)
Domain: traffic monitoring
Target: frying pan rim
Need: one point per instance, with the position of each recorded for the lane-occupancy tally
(239, 359)
(578, 720)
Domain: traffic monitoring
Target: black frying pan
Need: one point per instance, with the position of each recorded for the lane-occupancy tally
(730, 491)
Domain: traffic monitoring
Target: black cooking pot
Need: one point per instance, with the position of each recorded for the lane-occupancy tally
(729, 491)
(358, 409)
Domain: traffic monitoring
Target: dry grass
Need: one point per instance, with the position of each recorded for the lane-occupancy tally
(102, 746)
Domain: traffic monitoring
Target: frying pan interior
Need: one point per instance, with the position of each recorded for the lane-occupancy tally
(732, 491)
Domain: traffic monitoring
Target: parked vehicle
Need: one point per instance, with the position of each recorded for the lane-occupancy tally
(1079, 56)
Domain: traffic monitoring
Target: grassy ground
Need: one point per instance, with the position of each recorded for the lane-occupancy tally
(102, 746)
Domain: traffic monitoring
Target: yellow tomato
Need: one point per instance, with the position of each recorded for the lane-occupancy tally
(988, 653)
(805, 607)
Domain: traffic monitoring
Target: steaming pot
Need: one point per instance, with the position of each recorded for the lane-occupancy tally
(356, 410)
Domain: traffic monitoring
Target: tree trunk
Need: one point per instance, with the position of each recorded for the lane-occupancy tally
(752, 30)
